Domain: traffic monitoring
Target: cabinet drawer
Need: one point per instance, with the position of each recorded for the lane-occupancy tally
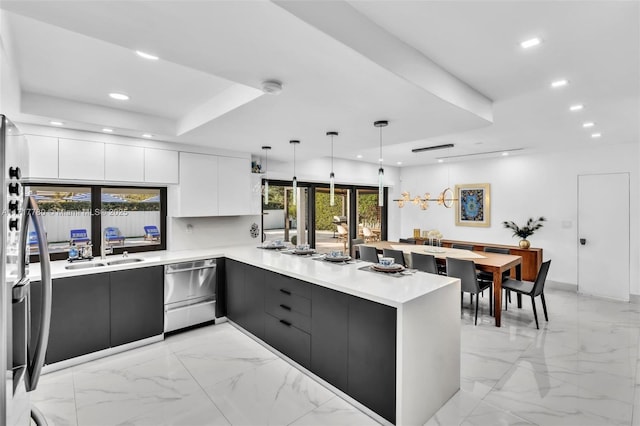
(294, 309)
(289, 340)
(276, 298)
(288, 285)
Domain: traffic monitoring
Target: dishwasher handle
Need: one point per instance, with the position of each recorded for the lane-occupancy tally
(171, 270)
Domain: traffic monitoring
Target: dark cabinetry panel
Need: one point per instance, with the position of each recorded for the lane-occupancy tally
(372, 356)
(234, 290)
(289, 340)
(137, 304)
(79, 317)
(329, 328)
(245, 296)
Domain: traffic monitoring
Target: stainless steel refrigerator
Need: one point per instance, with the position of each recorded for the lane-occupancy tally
(21, 353)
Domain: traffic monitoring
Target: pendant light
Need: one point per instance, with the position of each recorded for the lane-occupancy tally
(266, 180)
(295, 179)
(380, 124)
(332, 177)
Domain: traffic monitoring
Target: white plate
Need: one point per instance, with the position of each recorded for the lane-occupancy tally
(337, 258)
(388, 268)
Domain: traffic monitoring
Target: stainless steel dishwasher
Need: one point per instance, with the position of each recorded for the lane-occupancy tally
(189, 293)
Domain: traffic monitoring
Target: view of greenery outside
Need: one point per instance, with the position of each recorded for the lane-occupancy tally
(325, 213)
(368, 210)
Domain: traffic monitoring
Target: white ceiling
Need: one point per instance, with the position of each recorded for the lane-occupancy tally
(432, 68)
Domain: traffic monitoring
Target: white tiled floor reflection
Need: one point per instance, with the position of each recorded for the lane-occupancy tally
(578, 369)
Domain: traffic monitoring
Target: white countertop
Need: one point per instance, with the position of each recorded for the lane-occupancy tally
(378, 287)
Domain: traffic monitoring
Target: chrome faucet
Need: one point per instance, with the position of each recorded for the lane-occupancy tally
(104, 250)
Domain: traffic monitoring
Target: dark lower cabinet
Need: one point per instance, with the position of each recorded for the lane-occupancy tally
(80, 317)
(137, 304)
(330, 341)
(289, 340)
(348, 341)
(254, 300)
(234, 290)
(371, 365)
(245, 296)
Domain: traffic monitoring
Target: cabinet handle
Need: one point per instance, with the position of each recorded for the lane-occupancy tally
(287, 292)
(285, 307)
(287, 323)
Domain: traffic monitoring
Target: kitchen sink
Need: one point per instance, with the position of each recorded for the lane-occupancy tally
(124, 261)
(84, 265)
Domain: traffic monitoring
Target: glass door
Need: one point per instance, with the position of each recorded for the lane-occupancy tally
(331, 222)
(369, 215)
(283, 219)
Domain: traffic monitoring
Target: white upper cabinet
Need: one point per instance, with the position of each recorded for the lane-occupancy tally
(198, 190)
(82, 160)
(123, 163)
(42, 157)
(161, 166)
(234, 186)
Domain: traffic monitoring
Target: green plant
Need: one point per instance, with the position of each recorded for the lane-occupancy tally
(527, 230)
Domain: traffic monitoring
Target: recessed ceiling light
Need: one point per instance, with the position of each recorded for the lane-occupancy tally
(119, 96)
(588, 124)
(504, 154)
(440, 160)
(576, 107)
(359, 156)
(530, 43)
(147, 135)
(559, 83)
(147, 55)
(595, 135)
(106, 129)
(399, 163)
(57, 123)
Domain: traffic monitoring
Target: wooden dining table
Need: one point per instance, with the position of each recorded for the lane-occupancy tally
(494, 263)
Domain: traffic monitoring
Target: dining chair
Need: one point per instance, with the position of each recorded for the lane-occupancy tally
(462, 246)
(398, 256)
(355, 242)
(488, 276)
(466, 271)
(531, 289)
(424, 262)
(368, 234)
(343, 235)
(407, 241)
(369, 254)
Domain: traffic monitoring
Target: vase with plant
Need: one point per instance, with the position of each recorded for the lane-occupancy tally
(526, 231)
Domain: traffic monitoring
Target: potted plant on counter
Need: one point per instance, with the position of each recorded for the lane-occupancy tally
(526, 231)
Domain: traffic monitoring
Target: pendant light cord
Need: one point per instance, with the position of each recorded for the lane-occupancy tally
(331, 154)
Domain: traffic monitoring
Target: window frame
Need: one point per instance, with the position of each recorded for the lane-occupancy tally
(96, 220)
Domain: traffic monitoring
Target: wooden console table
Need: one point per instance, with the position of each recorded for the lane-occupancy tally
(531, 257)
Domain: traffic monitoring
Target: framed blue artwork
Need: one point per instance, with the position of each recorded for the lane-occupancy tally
(474, 204)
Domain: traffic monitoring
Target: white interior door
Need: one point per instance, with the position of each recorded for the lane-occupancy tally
(603, 235)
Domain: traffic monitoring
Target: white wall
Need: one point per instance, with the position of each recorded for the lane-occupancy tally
(210, 232)
(522, 187)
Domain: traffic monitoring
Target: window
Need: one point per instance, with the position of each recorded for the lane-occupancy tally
(126, 218)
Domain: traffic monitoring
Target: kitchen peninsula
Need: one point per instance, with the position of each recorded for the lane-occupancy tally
(350, 327)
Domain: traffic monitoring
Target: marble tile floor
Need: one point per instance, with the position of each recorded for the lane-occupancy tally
(578, 369)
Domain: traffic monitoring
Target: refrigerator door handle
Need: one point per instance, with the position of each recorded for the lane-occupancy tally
(37, 354)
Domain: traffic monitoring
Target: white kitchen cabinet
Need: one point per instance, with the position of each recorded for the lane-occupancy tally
(82, 160)
(161, 166)
(42, 157)
(198, 191)
(234, 186)
(123, 163)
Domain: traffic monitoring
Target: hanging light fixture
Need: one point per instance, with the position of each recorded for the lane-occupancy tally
(332, 176)
(295, 179)
(380, 124)
(266, 180)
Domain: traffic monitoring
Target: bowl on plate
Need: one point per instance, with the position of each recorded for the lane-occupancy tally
(387, 261)
(336, 253)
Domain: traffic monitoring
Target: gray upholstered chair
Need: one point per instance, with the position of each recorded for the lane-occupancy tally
(466, 271)
(398, 256)
(531, 289)
(462, 246)
(368, 254)
(488, 276)
(424, 262)
(355, 242)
